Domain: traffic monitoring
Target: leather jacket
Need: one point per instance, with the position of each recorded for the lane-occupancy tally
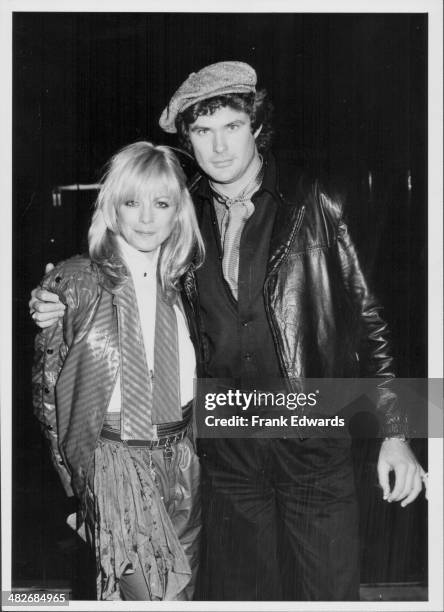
(325, 321)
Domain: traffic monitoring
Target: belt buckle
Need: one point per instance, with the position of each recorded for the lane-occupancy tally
(168, 451)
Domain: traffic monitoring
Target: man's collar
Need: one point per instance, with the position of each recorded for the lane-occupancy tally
(269, 182)
(201, 188)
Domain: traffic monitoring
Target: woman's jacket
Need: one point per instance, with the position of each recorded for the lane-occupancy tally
(75, 367)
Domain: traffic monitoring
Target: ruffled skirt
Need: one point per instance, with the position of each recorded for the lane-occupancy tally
(127, 517)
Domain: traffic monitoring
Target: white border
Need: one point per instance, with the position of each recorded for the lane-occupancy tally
(228, 6)
(434, 9)
(6, 284)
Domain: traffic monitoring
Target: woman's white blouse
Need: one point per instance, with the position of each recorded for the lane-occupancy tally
(143, 273)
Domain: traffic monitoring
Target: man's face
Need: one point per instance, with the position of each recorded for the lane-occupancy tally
(223, 144)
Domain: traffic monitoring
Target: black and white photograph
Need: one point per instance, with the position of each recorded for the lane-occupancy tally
(223, 335)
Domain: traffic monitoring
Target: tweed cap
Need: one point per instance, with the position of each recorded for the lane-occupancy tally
(214, 80)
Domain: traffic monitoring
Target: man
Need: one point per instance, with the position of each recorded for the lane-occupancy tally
(280, 296)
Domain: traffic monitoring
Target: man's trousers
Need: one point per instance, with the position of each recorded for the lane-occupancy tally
(280, 520)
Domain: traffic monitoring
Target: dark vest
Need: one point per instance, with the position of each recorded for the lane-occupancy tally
(237, 335)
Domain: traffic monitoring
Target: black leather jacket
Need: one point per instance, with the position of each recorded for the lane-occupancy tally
(325, 321)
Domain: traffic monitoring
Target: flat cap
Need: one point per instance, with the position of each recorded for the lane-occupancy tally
(214, 80)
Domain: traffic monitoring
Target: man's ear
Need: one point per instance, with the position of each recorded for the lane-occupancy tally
(258, 131)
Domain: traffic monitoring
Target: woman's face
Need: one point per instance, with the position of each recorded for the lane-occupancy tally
(146, 222)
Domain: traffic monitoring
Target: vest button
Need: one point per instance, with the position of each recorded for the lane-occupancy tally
(247, 357)
(245, 323)
(50, 351)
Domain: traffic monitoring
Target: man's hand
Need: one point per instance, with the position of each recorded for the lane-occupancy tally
(45, 307)
(396, 455)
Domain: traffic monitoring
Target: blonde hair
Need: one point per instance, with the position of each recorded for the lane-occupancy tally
(136, 169)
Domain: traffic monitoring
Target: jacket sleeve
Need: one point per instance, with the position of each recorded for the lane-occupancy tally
(50, 350)
(373, 347)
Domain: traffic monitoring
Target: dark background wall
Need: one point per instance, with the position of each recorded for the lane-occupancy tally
(350, 98)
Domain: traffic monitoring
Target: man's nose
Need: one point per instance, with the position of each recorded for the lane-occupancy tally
(146, 213)
(219, 142)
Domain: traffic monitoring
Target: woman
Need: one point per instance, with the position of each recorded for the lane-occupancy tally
(113, 380)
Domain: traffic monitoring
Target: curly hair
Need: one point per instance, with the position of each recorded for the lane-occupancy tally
(257, 106)
(143, 168)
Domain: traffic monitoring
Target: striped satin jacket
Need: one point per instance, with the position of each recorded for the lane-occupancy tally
(75, 367)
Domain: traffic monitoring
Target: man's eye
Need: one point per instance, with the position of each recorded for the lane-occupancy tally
(132, 203)
(202, 131)
(233, 126)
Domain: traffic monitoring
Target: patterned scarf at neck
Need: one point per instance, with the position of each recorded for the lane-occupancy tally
(231, 225)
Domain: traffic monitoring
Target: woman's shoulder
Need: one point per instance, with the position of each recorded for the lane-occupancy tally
(74, 265)
(78, 271)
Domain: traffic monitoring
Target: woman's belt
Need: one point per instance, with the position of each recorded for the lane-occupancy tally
(169, 433)
(162, 442)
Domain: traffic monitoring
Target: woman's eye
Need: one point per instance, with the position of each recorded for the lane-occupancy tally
(132, 203)
(162, 204)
